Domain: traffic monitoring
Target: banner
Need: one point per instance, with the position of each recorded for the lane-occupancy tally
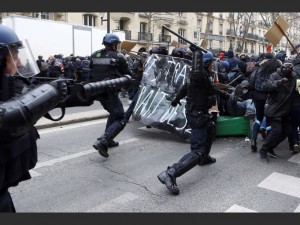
(162, 79)
(276, 32)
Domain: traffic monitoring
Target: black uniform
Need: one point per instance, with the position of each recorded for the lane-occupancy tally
(107, 64)
(200, 96)
(18, 153)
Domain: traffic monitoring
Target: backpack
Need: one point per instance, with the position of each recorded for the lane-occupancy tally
(57, 62)
(44, 66)
(249, 68)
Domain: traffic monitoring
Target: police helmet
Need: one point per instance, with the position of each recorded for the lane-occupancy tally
(188, 54)
(20, 52)
(154, 50)
(224, 64)
(111, 39)
(208, 57)
(176, 52)
(8, 38)
(163, 49)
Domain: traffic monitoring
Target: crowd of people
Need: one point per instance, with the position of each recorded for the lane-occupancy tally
(262, 88)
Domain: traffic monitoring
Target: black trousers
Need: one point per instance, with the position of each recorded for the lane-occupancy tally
(6, 203)
(281, 127)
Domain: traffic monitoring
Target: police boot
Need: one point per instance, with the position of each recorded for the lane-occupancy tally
(101, 146)
(167, 177)
(112, 144)
(207, 160)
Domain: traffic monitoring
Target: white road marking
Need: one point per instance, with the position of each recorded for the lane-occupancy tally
(76, 155)
(68, 127)
(297, 209)
(237, 208)
(282, 183)
(34, 174)
(295, 158)
(121, 200)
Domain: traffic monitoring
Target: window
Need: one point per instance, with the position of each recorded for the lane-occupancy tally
(199, 24)
(180, 14)
(121, 25)
(41, 15)
(210, 27)
(89, 20)
(221, 44)
(143, 27)
(221, 28)
(230, 45)
(210, 44)
(195, 34)
(181, 32)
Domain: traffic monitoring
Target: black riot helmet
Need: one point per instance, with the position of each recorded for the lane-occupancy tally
(8, 38)
(19, 51)
(111, 39)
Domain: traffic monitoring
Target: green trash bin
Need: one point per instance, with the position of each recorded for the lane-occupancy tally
(233, 126)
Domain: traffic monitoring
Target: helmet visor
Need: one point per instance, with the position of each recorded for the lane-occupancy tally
(23, 60)
(118, 47)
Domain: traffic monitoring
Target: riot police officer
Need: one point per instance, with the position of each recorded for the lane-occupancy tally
(107, 64)
(21, 105)
(200, 95)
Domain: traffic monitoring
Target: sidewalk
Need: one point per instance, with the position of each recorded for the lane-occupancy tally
(70, 118)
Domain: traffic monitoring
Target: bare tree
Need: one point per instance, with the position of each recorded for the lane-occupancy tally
(152, 19)
(208, 22)
(246, 22)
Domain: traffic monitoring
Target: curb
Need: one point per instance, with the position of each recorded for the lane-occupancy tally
(44, 123)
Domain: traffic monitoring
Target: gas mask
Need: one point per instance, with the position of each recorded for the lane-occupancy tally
(244, 91)
(287, 69)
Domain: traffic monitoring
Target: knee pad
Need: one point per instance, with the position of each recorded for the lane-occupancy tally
(191, 161)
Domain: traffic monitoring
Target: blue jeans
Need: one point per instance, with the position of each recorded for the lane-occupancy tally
(238, 108)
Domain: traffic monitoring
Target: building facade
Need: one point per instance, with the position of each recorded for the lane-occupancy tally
(242, 32)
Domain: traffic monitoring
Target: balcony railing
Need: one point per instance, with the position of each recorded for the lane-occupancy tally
(127, 34)
(142, 36)
(182, 20)
(165, 38)
(230, 32)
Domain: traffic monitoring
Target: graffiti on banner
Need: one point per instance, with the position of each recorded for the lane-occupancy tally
(162, 79)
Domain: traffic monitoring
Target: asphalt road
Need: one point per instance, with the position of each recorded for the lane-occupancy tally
(72, 177)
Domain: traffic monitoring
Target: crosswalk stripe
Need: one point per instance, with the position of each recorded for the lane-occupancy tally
(282, 183)
(72, 126)
(295, 158)
(119, 201)
(76, 155)
(297, 209)
(34, 174)
(237, 208)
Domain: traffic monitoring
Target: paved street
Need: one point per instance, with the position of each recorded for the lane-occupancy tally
(72, 177)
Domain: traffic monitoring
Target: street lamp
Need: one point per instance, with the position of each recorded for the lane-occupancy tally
(107, 20)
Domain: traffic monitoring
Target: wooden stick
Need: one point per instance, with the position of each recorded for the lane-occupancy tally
(234, 80)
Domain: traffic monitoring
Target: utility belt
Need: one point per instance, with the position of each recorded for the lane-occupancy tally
(200, 116)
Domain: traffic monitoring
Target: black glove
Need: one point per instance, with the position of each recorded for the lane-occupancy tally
(175, 102)
(61, 86)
